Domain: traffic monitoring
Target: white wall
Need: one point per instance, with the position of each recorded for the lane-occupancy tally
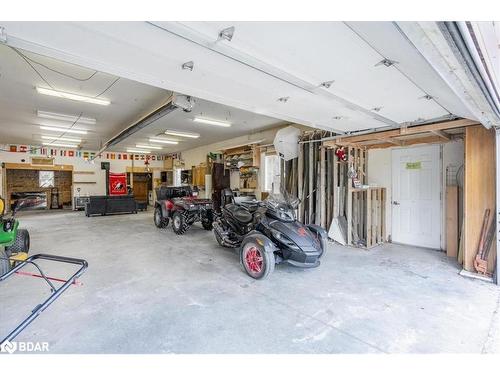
(79, 164)
(198, 155)
(380, 173)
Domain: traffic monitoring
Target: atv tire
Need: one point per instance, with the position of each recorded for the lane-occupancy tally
(159, 219)
(207, 224)
(257, 262)
(4, 263)
(179, 223)
(21, 243)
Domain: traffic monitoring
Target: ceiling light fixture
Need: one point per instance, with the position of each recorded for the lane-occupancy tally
(63, 130)
(188, 66)
(182, 134)
(212, 122)
(59, 144)
(63, 117)
(76, 97)
(159, 140)
(327, 84)
(147, 146)
(227, 33)
(386, 62)
(135, 151)
(64, 139)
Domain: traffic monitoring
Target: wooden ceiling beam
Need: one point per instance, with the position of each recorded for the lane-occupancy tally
(394, 141)
(418, 129)
(410, 142)
(442, 134)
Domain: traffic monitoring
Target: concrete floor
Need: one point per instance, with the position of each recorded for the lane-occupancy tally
(150, 291)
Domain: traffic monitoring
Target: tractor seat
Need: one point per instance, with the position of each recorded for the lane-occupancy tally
(239, 213)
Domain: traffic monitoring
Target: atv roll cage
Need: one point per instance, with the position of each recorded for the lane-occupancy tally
(55, 292)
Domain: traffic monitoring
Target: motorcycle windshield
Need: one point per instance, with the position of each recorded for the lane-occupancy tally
(282, 206)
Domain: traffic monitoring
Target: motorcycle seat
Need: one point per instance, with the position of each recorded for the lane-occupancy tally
(239, 213)
(250, 206)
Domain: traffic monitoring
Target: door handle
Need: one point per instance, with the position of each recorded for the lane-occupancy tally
(396, 203)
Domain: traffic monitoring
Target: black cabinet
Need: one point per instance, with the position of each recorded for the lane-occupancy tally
(107, 204)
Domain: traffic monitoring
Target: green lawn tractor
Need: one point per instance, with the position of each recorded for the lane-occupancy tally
(14, 242)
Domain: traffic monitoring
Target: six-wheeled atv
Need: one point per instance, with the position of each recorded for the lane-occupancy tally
(269, 234)
(14, 242)
(177, 203)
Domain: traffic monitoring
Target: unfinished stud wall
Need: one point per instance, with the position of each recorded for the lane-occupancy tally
(479, 189)
(380, 174)
(354, 215)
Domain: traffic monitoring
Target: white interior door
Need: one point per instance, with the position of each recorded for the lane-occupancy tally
(416, 196)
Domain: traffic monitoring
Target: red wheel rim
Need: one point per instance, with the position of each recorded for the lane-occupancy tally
(254, 260)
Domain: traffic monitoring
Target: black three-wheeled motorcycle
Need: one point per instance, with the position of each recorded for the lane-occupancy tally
(267, 233)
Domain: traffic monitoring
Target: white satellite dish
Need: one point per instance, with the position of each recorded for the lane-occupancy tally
(286, 142)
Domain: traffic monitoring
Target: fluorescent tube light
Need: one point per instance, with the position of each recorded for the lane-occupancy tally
(212, 122)
(64, 139)
(63, 130)
(63, 117)
(147, 146)
(67, 95)
(59, 145)
(182, 134)
(159, 140)
(135, 151)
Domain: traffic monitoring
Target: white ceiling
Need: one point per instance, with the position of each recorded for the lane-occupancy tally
(129, 101)
(242, 122)
(312, 53)
(263, 62)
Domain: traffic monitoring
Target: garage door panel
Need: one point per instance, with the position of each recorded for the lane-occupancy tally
(345, 58)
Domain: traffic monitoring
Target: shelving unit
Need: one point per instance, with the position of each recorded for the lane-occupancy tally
(245, 160)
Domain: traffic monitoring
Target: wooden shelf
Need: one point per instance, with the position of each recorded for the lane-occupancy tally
(83, 172)
(364, 189)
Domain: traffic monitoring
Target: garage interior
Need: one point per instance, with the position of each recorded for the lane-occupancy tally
(391, 149)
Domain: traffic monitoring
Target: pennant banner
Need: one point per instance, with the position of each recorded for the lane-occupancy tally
(48, 151)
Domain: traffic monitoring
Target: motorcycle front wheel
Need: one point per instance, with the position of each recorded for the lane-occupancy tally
(257, 262)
